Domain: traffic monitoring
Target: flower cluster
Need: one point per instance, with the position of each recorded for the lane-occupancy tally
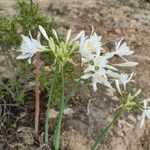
(62, 50)
(97, 61)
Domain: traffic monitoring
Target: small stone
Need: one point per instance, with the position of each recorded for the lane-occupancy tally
(53, 113)
(68, 111)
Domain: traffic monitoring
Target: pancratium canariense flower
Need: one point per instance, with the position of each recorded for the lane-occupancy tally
(123, 49)
(99, 68)
(62, 50)
(29, 47)
(129, 102)
(146, 111)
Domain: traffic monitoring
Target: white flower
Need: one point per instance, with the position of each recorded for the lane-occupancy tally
(96, 71)
(97, 77)
(101, 78)
(29, 47)
(97, 63)
(124, 79)
(90, 45)
(146, 112)
(122, 49)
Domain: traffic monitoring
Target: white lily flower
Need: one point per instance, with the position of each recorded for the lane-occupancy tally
(29, 47)
(146, 112)
(100, 61)
(90, 45)
(97, 77)
(122, 49)
(124, 79)
(101, 78)
(97, 63)
(96, 71)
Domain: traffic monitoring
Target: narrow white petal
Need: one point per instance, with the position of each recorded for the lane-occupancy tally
(111, 67)
(137, 93)
(126, 64)
(86, 76)
(29, 60)
(42, 30)
(118, 87)
(25, 56)
(82, 33)
(112, 74)
(106, 83)
(109, 55)
(94, 84)
(55, 34)
(142, 121)
(68, 35)
(30, 34)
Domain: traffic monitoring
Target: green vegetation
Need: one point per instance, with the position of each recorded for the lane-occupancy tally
(28, 17)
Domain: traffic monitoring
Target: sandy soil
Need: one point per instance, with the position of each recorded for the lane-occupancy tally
(112, 19)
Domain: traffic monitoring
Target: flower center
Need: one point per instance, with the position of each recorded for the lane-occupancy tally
(90, 46)
(97, 68)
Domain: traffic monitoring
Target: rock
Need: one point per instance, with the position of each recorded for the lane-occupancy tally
(132, 118)
(74, 140)
(53, 113)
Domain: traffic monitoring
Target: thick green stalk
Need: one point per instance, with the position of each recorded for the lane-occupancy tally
(104, 132)
(60, 116)
(48, 106)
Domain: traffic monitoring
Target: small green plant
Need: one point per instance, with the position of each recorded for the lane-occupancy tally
(27, 20)
(9, 35)
(15, 88)
(30, 17)
(127, 103)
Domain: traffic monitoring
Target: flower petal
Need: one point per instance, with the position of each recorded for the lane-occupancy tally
(42, 30)
(126, 64)
(25, 56)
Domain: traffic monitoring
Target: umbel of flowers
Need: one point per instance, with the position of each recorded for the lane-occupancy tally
(98, 67)
(97, 60)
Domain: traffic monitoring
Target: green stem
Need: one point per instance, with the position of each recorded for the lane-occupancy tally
(104, 132)
(48, 106)
(60, 116)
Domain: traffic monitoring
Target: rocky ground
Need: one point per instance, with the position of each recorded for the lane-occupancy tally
(112, 19)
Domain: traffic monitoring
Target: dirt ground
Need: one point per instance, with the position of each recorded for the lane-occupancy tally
(112, 19)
